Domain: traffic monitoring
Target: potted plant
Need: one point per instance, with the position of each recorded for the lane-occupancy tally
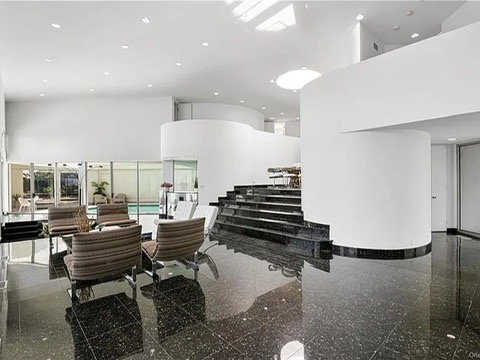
(195, 183)
(100, 187)
(15, 202)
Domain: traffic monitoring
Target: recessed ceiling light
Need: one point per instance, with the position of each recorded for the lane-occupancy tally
(92, 90)
(452, 139)
(106, 73)
(178, 63)
(296, 79)
(150, 85)
(304, 68)
(306, 6)
(414, 35)
(282, 113)
(409, 13)
(272, 118)
(272, 81)
(298, 117)
(45, 81)
(205, 43)
(42, 95)
(56, 25)
(294, 90)
(395, 28)
(48, 59)
(242, 101)
(125, 47)
(263, 107)
(360, 17)
(146, 20)
(216, 93)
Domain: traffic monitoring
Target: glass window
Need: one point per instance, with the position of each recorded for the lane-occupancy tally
(150, 180)
(279, 128)
(185, 176)
(98, 183)
(44, 186)
(19, 175)
(67, 189)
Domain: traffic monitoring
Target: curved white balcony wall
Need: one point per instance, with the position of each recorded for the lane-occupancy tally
(271, 150)
(434, 78)
(224, 112)
(223, 149)
(104, 129)
(228, 153)
(466, 14)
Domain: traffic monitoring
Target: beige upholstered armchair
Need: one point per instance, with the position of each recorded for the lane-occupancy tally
(120, 199)
(99, 199)
(175, 240)
(100, 254)
(113, 215)
(61, 220)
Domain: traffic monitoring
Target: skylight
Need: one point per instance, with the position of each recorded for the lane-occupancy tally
(257, 10)
(281, 20)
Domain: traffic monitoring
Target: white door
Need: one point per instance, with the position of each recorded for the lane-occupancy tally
(439, 188)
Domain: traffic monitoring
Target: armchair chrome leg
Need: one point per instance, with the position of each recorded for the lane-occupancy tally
(154, 270)
(132, 280)
(73, 290)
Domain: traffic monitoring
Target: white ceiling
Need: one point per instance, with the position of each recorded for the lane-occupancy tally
(463, 128)
(239, 62)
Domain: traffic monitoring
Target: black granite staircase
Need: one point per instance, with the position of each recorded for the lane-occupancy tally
(21, 230)
(274, 214)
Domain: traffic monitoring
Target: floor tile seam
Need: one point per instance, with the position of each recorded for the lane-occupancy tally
(197, 322)
(465, 322)
(397, 324)
(250, 333)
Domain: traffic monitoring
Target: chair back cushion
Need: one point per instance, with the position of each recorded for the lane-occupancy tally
(102, 253)
(61, 220)
(112, 212)
(179, 238)
(209, 213)
(184, 210)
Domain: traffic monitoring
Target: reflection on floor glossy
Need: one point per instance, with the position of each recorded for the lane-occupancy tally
(252, 300)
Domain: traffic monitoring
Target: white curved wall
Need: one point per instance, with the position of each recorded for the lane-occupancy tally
(224, 112)
(224, 151)
(228, 153)
(372, 188)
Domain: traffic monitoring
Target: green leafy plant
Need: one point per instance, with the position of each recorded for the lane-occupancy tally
(45, 230)
(195, 183)
(100, 187)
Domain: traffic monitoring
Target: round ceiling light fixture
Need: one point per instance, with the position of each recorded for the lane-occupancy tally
(56, 25)
(297, 79)
(360, 17)
(146, 20)
(409, 13)
(414, 35)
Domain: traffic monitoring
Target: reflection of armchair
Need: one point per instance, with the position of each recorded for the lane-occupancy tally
(168, 323)
(97, 255)
(175, 240)
(99, 199)
(113, 215)
(119, 339)
(120, 199)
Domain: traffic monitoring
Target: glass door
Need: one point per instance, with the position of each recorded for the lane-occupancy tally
(68, 184)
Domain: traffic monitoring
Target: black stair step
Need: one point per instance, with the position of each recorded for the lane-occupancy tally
(298, 244)
(271, 191)
(276, 225)
(264, 205)
(295, 217)
(283, 199)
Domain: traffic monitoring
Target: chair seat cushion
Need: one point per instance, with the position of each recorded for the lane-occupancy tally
(119, 222)
(63, 229)
(149, 248)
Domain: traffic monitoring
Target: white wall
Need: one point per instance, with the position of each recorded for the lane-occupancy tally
(86, 129)
(273, 151)
(439, 188)
(293, 128)
(452, 190)
(367, 38)
(466, 14)
(2, 145)
(434, 78)
(270, 127)
(228, 153)
(226, 112)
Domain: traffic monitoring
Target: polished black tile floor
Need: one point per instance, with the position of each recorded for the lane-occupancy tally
(253, 302)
